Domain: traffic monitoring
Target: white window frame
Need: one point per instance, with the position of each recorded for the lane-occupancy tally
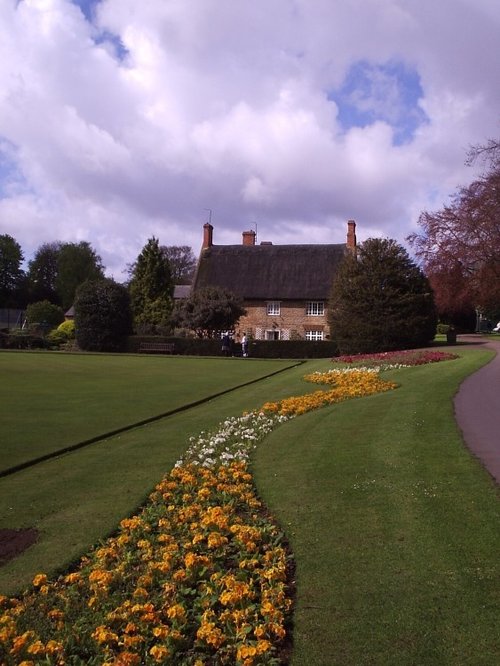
(315, 335)
(315, 308)
(273, 308)
(273, 334)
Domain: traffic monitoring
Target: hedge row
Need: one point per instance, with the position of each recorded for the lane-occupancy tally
(257, 349)
(197, 347)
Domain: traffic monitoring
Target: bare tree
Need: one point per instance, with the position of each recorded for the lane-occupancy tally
(460, 244)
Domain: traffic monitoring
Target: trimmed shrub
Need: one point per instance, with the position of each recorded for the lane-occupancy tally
(103, 317)
(44, 314)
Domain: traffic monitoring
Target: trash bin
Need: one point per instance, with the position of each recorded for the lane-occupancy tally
(451, 336)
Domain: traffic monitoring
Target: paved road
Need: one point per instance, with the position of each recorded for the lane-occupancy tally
(477, 408)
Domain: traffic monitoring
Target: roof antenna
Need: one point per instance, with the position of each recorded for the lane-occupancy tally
(255, 223)
(209, 215)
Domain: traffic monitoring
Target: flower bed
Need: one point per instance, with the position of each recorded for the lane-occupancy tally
(200, 572)
(198, 577)
(396, 359)
(350, 383)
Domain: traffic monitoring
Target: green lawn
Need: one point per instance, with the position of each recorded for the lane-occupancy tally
(79, 497)
(393, 524)
(52, 401)
(394, 527)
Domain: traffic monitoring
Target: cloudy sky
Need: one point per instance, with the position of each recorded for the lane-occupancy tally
(124, 119)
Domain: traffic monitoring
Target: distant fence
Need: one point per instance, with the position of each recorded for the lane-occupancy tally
(11, 318)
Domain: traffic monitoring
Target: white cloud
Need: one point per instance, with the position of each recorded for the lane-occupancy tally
(234, 106)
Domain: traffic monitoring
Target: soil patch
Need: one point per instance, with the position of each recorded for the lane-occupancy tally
(14, 542)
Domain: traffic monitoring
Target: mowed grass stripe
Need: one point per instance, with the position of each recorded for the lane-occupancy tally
(131, 426)
(50, 403)
(394, 526)
(78, 498)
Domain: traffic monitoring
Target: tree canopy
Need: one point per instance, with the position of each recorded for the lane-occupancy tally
(103, 317)
(209, 311)
(11, 273)
(76, 263)
(151, 289)
(182, 262)
(459, 245)
(380, 301)
(43, 271)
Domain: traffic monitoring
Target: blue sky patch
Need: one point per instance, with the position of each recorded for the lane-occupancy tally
(11, 178)
(88, 10)
(87, 7)
(389, 92)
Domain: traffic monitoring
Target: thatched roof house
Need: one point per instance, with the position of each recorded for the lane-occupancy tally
(284, 287)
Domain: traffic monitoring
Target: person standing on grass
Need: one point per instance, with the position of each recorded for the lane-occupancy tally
(244, 345)
(226, 344)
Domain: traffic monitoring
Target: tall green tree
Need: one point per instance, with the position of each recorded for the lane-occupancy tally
(380, 301)
(11, 273)
(209, 311)
(103, 317)
(76, 263)
(151, 290)
(42, 273)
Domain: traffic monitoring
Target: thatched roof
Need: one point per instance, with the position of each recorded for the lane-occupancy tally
(271, 272)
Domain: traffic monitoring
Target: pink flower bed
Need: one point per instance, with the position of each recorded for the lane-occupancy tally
(404, 358)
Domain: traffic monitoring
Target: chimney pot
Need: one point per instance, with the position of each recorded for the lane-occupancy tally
(208, 235)
(249, 237)
(351, 235)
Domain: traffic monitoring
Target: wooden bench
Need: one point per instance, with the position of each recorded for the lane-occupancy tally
(157, 347)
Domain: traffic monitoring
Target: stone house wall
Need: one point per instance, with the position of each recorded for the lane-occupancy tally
(291, 323)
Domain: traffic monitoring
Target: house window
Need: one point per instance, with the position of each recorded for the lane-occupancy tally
(315, 308)
(314, 335)
(273, 307)
(273, 334)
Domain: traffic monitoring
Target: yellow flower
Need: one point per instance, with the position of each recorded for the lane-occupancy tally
(132, 641)
(263, 646)
(103, 635)
(216, 540)
(210, 634)
(246, 651)
(39, 580)
(176, 612)
(20, 641)
(53, 647)
(161, 631)
(159, 652)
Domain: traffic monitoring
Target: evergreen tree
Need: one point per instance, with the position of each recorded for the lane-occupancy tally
(151, 290)
(11, 273)
(380, 301)
(209, 311)
(103, 317)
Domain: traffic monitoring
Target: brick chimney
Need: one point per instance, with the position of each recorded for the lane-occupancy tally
(208, 235)
(351, 235)
(249, 237)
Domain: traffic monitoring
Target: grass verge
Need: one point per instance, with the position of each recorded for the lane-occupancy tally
(393, 524)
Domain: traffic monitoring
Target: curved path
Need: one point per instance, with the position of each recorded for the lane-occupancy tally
(477, 408)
